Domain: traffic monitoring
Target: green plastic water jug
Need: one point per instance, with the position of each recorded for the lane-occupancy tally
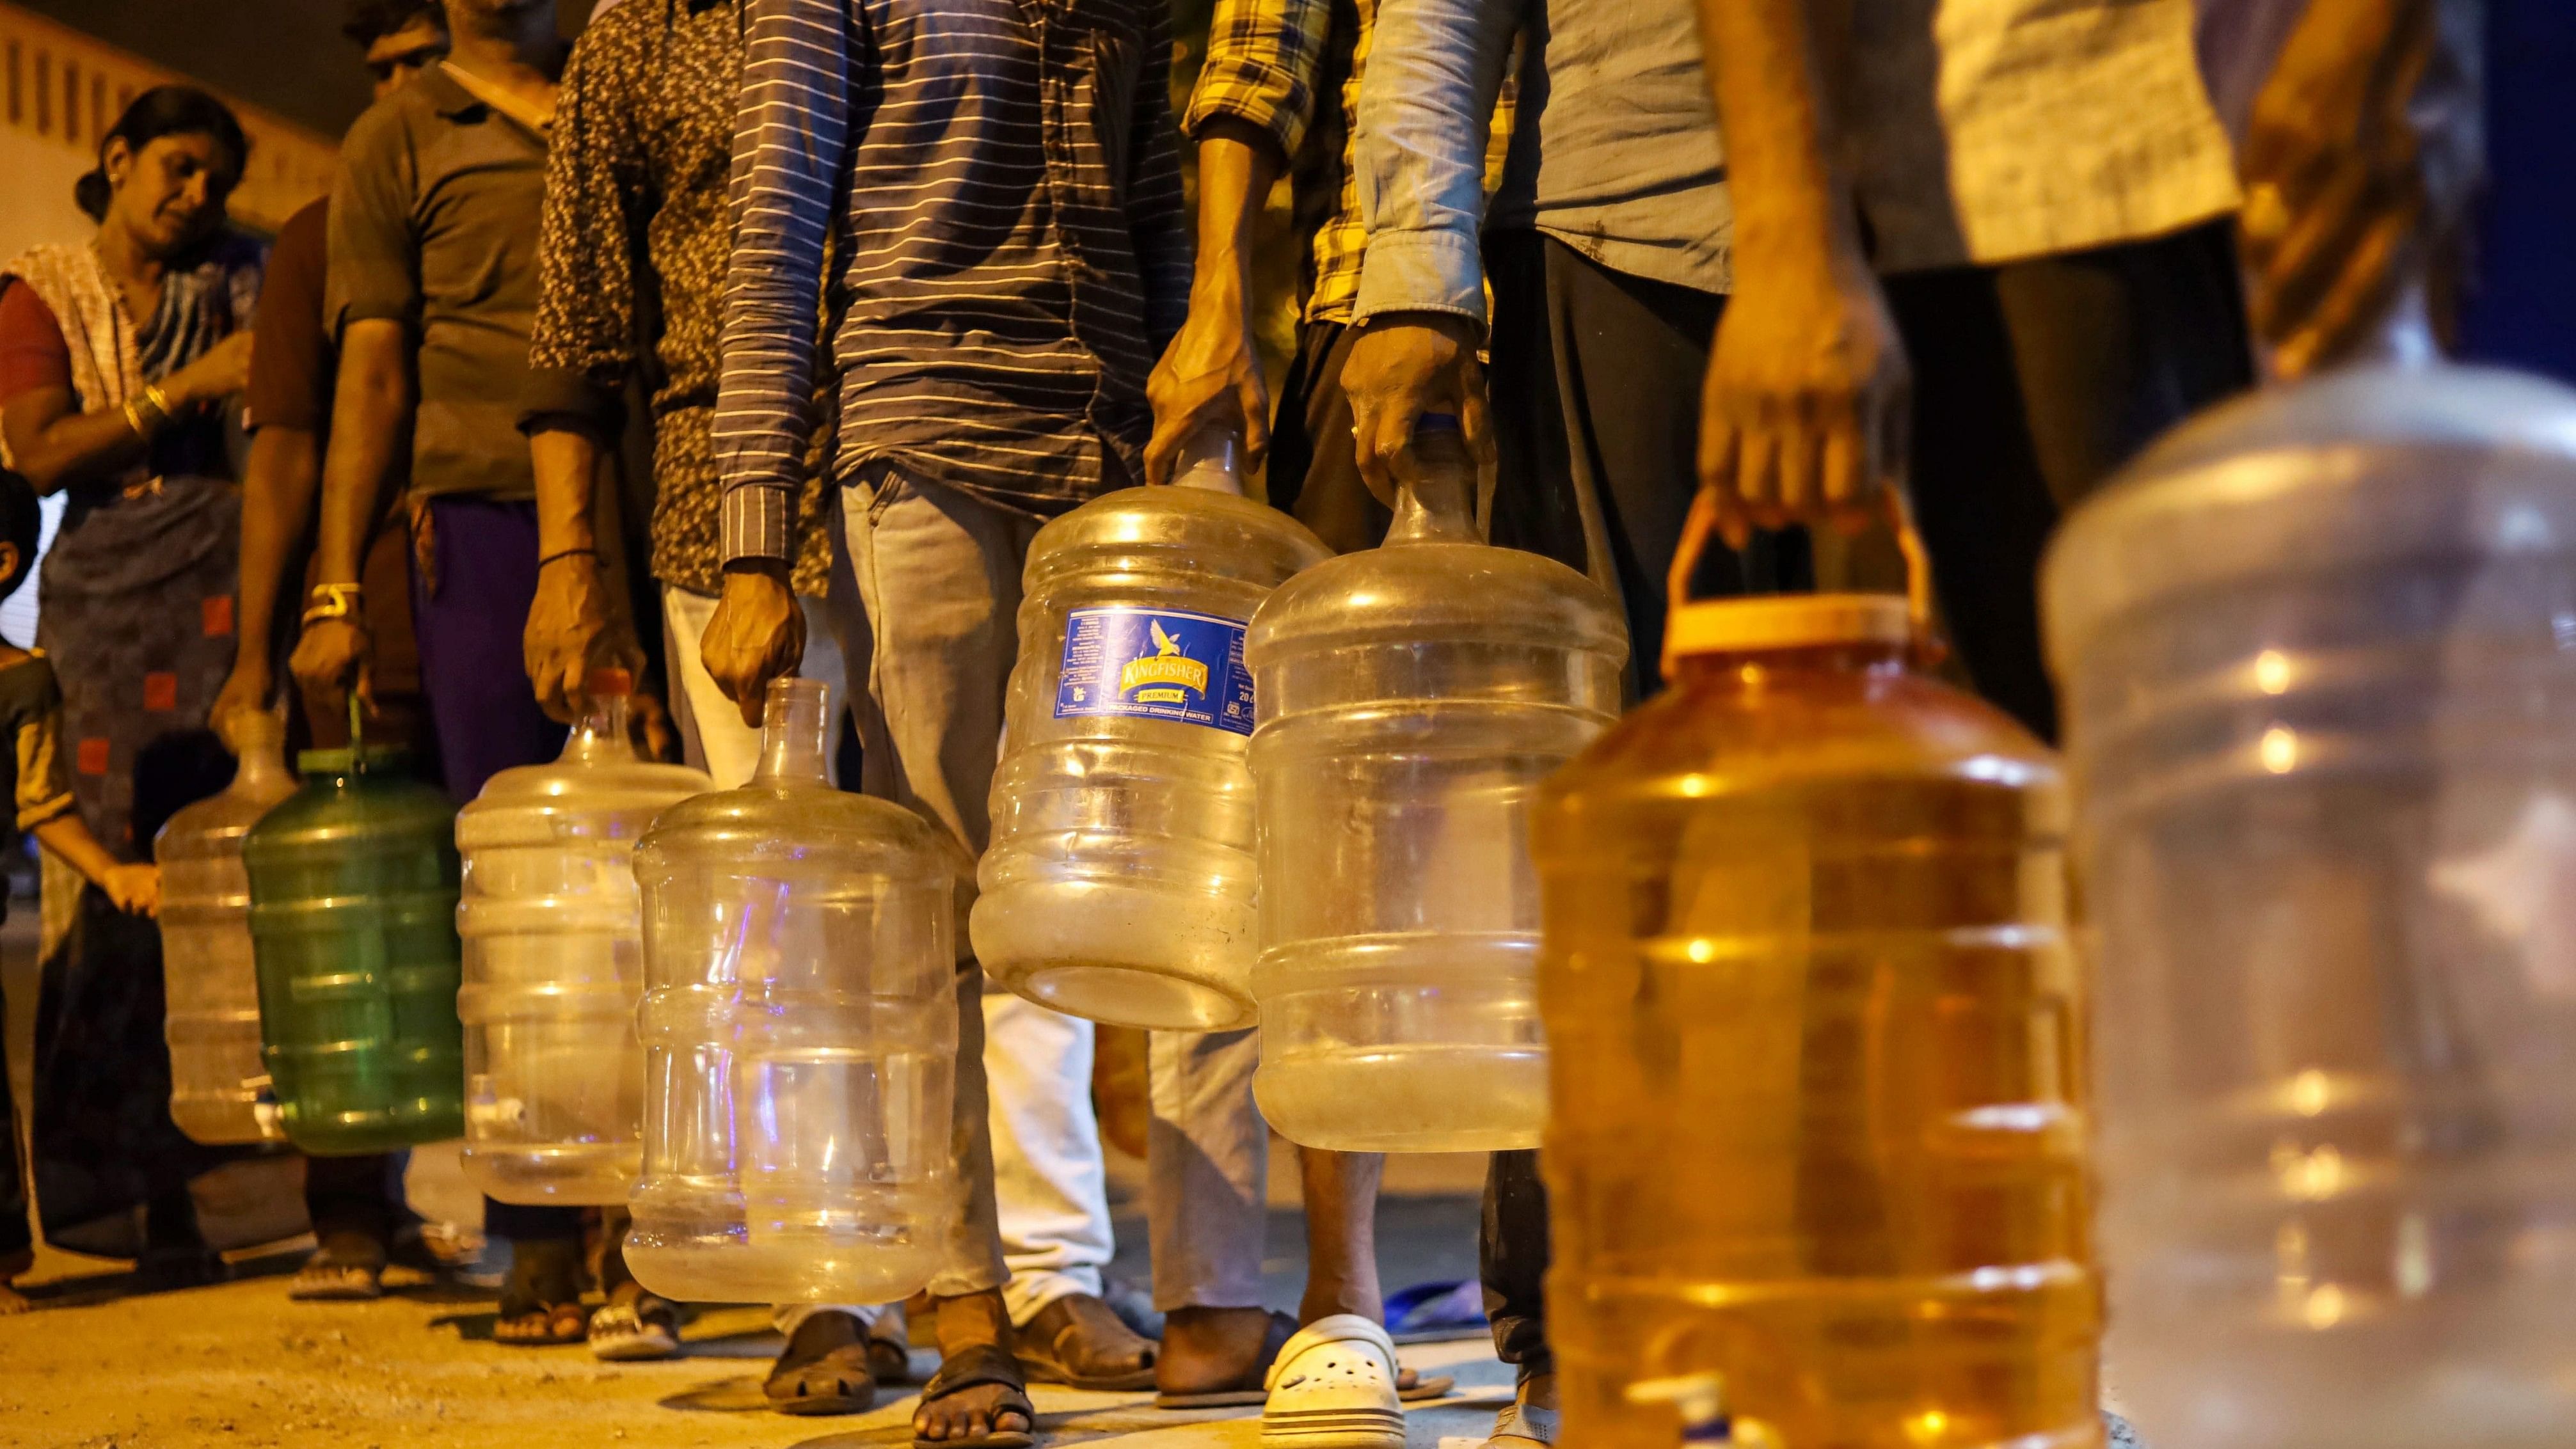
(353, 912)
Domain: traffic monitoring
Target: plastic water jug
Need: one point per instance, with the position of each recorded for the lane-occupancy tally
(1816, 1033)
(1119, 882)
(554, 962)
(210, 977)
(800, 1036)
(1412, 697)
(2318, 652)
(353, 910)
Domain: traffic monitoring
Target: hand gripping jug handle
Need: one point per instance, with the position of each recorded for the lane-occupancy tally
(1702, 522)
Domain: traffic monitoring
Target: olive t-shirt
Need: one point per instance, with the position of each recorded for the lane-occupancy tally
(434, 225)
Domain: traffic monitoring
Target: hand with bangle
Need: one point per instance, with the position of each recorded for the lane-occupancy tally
(327, 661)
(146, 414)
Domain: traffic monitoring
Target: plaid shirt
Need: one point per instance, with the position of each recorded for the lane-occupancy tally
(1266, 62)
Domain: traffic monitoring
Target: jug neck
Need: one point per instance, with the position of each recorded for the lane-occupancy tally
(795, 734)
(1760, 668)
(1211, 459)
(603, 737)
(1436, 501)
(261, 764)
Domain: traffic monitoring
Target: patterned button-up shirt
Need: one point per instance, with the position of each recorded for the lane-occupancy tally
(1005, 178)
(633, 250)
(1267, 62)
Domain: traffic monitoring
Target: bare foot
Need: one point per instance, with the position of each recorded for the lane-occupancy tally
(1210, 1350)
(975, 1343)
(12, 1302)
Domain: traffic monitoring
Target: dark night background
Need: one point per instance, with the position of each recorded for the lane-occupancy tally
(286, 55)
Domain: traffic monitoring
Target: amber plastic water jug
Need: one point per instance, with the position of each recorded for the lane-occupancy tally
(353, 912)
(2318, 656)
(1412, 696)
(554, 962)
(1119, 883)
(800, 1036)
(1817, 1036)
(211, 976)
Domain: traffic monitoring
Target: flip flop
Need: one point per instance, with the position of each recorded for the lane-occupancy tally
(1253, 1386)
(1518, 1427)
(973, 1368)
(636, 1329)
(1333, 1387)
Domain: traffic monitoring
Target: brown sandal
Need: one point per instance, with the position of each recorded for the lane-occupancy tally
(1050, 1348)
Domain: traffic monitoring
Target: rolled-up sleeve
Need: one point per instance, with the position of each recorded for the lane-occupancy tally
(1435, 69)
(584, 342)
(1264, 61)
(791, 137)
(375, 249)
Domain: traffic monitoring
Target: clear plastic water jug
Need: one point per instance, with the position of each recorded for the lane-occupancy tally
(554, 962)
(2318, 652)
(353, 914)
(1412, 697)
(800, 1036)
(210, 976)
(1119, 882)
(1816, 1033)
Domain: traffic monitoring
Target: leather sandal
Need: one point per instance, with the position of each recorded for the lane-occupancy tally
(824, 1369)
(1064, 1343)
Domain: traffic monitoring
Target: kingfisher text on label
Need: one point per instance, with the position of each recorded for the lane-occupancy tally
(1155, 664)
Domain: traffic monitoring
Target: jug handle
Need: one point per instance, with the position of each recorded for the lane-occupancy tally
(1702, 521)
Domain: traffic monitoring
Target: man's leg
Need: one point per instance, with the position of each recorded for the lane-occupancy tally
(1050, 1182)
(1207, 1166)
(939, 577)
(469, 613)
(2032, 383)
(17, 1233)
(349, 1201)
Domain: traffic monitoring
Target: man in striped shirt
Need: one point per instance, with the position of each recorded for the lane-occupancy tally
(1002, 191)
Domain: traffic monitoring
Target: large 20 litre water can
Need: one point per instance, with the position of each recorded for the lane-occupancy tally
(1816, 1039)
(1412, 696)
(2318, 652)
(211, 975)
(554, 962)
(1119, 884)
(800, 1035)
(353, 909)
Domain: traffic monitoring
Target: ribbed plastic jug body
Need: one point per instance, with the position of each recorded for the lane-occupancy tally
(800, 1037)
(1412, 697)
(554, 965)
(1816, 1035)
(210, 975)
(353, 911)
(2315, 650)
(1119, 882)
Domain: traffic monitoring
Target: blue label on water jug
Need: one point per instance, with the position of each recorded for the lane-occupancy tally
(1155, 664)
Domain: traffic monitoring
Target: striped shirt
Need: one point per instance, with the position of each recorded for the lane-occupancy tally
(1010, 247)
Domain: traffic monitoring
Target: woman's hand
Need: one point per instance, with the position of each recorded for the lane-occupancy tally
(222, 372)
(136, 889)
(334, 656)
(246, 691)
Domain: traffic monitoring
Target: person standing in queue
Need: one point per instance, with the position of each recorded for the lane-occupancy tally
(432, 292)
(1992, 263)
(118, 360)
(353, 1201)
(1010, 255)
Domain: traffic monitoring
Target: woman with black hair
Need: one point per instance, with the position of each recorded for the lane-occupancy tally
(116, 360)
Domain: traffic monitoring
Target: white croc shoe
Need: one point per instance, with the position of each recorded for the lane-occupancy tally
(1333, 1387)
